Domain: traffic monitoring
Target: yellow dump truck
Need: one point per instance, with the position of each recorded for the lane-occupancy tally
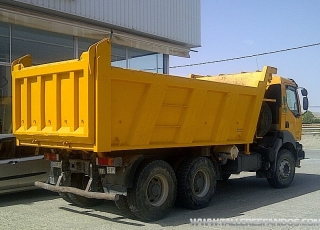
(147, 140)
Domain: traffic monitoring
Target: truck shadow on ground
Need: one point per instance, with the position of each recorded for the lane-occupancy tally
(231, 199)
(26, 197)
(239, 195)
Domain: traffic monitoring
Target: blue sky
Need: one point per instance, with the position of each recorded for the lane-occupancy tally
(233, 28)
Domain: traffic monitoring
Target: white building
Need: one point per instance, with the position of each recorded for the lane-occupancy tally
(144, 34)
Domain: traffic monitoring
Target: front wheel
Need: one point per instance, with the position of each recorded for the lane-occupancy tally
(284, 170)
(154, 191)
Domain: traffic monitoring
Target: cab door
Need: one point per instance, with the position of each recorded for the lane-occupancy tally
(292, 112)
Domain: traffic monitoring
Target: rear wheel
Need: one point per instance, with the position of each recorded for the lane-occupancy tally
(284, 170)
(154, 191)
(79, 180)
(196, 183)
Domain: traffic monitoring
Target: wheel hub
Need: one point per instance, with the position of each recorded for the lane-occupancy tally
(157, 191)
(284, 169)
(201, 183)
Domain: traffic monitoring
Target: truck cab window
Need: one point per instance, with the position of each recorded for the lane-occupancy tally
(292, 100)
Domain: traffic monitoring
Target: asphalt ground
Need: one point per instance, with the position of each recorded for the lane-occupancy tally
(242, 197)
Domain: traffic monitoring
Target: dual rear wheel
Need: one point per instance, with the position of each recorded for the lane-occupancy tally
(196, 183)
(156, 185)
(153, 193)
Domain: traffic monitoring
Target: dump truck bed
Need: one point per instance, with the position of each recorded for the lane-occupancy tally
(88, 104)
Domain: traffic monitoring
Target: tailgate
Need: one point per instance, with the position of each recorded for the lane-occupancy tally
(53, 104)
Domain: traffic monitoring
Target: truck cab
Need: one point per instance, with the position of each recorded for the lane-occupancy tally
(276, 150)
(286, 110)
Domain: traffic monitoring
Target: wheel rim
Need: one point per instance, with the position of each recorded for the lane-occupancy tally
(201, 183)
(157, 190)
(284, 169)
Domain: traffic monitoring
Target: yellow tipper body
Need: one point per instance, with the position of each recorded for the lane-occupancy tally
(88, 104)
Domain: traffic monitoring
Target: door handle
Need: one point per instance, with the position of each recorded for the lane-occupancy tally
(287, 125)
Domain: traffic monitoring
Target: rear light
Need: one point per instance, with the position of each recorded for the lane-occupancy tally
(105, 161)
(109, 161)
(51, 156)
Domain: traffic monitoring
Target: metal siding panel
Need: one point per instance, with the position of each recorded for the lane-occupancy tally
(178, 20)
(104, 10)
(198, 28)
(119, 12)
(193, 20)
(73, 8)
(168, 31)
(139, 23)
(56, 5)
(174, 20)
(81, 11)
(148, 10)
(85, 9)
(164, 18)
(122, 12)
(133, 16)
(187, 16)
(114, 16)
(96, 11)
(128, 15)
(156, 16)
(136, 14)
(159, 22)
(90, 12)
(77, 8)
(108, 15)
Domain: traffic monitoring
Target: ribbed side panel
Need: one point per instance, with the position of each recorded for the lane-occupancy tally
(177, 20)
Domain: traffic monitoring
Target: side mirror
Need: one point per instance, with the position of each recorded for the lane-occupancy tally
(305, 103)
(304, 92)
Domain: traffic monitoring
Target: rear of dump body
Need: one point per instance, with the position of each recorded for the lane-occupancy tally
(87, 104)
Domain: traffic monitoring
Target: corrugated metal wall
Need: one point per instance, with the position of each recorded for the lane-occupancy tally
(176, 20)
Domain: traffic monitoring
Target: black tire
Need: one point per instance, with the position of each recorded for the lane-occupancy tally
(122, 204)
(154, 191)
(79, 180)
(196, 183)
(265, 120)
(284, 170)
